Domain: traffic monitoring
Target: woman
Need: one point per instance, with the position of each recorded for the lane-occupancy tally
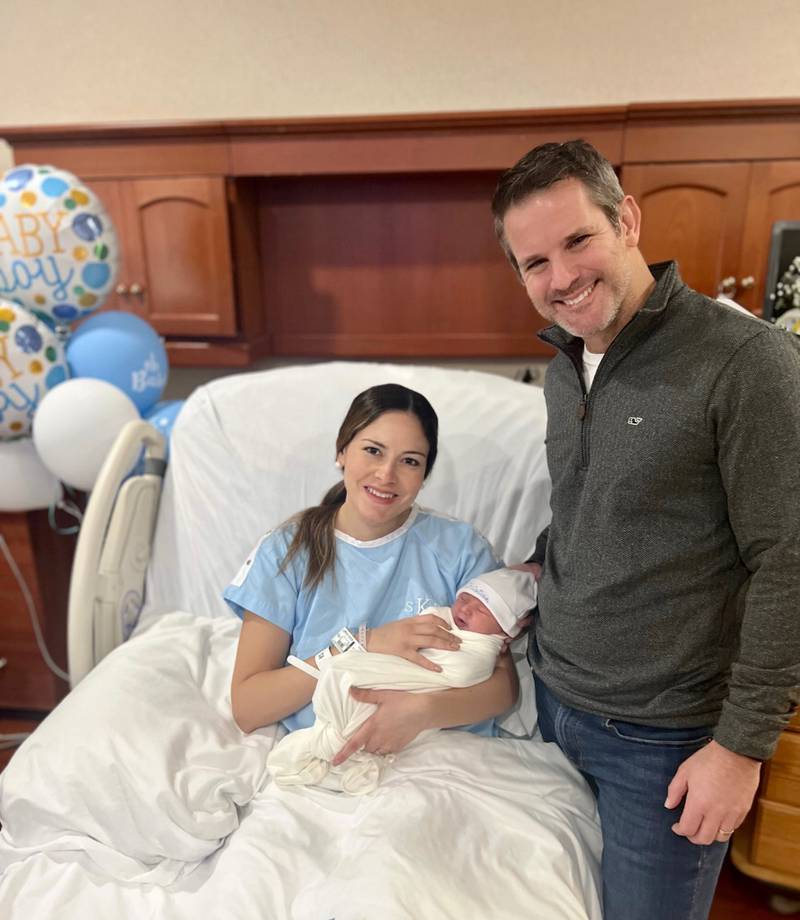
(368, 559)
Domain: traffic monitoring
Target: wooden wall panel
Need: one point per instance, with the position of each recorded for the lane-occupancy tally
(392, 265)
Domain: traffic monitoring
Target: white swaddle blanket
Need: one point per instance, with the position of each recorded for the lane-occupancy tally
(304, 756)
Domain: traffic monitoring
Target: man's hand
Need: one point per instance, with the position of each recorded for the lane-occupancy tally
(719, 786)
(533, 567)
(397, 721)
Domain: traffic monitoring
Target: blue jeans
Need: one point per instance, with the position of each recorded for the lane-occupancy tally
(649, 873)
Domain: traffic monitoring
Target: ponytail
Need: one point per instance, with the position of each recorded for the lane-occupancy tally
(314, 533)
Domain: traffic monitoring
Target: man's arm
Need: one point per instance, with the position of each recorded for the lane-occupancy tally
(756, 408)
(756, 413)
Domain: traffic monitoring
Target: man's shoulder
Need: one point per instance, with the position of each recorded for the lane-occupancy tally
(712, 327)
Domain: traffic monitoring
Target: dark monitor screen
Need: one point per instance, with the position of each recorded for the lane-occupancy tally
(784, 246)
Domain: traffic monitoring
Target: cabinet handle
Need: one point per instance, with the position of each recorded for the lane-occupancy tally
(136, 289)
(746, 283)
(121, 290)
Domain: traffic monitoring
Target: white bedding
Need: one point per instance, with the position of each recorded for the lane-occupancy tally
(149, 803)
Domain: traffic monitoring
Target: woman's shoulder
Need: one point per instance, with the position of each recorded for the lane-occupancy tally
(272, 546)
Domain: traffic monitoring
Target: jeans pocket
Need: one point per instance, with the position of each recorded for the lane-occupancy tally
(657, 736)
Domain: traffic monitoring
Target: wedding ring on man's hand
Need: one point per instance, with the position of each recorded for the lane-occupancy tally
(724, 832)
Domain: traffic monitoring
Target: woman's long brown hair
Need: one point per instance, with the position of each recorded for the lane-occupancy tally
(315, 526)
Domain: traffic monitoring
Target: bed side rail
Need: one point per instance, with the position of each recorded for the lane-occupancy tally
(108, 572)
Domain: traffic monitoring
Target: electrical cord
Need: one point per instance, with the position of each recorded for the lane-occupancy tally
(14, 739)
(34, 618)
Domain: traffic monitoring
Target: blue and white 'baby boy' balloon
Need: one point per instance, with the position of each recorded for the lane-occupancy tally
(32, 362)
(58, 248)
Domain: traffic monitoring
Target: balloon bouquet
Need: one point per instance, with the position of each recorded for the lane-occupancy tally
(65, 394)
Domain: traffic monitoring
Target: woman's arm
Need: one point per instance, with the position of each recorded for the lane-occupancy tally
(263, 688)
(402, 715)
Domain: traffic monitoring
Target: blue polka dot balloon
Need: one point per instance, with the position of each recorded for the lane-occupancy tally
(59, 251)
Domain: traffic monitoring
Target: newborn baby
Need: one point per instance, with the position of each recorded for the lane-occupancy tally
(486, 612)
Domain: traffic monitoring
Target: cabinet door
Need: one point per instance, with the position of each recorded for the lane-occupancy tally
(694, 213)
(180, 262)
(774, 196)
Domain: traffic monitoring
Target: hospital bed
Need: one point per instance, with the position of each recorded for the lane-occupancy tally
(139, 797)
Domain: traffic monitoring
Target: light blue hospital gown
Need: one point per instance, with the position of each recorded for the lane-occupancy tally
(420, 565)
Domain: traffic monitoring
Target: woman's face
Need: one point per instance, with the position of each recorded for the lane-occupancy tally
(384, 467)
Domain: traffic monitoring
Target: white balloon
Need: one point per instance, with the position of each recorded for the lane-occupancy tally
(25, 482)
(76, 424)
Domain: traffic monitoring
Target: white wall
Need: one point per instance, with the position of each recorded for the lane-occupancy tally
(74, 61)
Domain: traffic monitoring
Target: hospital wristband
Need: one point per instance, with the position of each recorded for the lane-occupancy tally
(322, 656)
(362, 636)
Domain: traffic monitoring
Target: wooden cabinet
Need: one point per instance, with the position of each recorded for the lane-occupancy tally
(367, 237)
(768, 845)
(43, 558)
(175, 267)
(715, 218)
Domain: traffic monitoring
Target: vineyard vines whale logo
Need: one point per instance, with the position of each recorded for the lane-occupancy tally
(634, 420)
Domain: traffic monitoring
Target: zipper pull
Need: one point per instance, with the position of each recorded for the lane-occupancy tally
(582, 408)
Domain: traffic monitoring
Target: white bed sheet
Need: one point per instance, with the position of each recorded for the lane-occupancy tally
(462, 826)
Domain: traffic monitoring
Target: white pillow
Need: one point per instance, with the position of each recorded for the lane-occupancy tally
(140, 772)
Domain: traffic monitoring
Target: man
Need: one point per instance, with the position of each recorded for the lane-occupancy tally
(667, 644)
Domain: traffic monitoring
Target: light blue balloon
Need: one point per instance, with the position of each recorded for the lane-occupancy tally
(162, 417)
(124, 350)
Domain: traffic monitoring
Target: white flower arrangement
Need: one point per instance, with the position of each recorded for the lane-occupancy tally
(786, 298)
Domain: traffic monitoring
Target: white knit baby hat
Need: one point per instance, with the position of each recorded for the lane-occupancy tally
(508, 593)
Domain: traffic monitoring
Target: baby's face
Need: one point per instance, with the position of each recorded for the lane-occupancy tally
(469, 613)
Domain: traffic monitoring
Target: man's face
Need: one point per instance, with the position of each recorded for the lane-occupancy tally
(576, 267)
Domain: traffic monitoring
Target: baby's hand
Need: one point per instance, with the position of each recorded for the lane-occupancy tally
(406, 637)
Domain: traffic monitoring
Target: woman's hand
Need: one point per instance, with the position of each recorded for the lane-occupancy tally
(401, 715)
(397, 721)
(405, 638)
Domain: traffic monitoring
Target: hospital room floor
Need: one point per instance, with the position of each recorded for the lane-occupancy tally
(737, 898)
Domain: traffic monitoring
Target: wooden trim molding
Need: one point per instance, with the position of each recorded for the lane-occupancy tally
(348, 233)
(674, 132)
(442, 141)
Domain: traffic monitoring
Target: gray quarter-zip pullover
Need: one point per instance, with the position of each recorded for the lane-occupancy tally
(671, 587)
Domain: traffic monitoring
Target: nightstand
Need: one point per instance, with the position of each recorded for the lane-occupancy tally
(767, 846)
(44, 558)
